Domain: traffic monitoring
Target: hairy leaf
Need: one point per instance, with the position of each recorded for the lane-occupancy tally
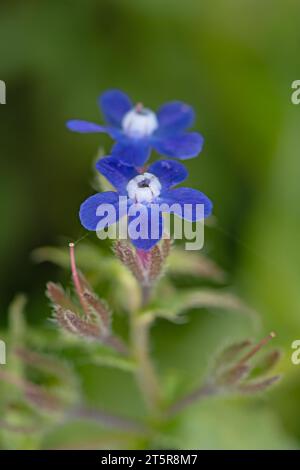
(233, 375)
(99, 308)
(127, 256)
(58, 297)
(72, 323)
(258, 386)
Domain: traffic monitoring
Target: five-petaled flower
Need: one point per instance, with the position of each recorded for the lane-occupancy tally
(146, 195)
(137, 129)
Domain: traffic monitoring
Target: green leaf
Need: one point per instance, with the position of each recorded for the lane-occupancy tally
(217, 423)
(81, 434)
(117, 362)
(202, 298)
(88, 257)
(182, 262)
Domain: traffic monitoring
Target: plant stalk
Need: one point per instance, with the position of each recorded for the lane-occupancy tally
(146, 375)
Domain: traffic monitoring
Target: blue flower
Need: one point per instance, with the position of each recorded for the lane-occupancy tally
(136, 129)
(145, 196)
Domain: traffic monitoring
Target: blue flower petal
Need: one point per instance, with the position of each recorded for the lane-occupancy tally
(107, 203)
(174, 117)
(132, 152)
(169, 172)
(77, 125)
(114, 104)
(145, 225)
(116, 173)
(181, 146)
(185, 201)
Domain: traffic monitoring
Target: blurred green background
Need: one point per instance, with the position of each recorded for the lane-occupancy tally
(234, 61)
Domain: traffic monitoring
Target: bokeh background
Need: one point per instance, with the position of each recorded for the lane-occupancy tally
(234, 61)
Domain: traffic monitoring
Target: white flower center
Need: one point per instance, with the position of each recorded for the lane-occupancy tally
(144, 188)
(139, 122)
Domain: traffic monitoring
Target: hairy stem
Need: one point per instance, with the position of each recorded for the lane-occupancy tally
(201, 392)
(108, 419)
(146, 294)
(146, 375)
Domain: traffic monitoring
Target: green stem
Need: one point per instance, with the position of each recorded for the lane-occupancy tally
(146, 294)
(204, 391)
(146, 375)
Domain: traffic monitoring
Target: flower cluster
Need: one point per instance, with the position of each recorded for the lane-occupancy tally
(146, 192)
